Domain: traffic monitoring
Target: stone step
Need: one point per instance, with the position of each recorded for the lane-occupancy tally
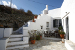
(16, 43)
(17, 46)
(16, 34)
(21, 35)
(15, 39)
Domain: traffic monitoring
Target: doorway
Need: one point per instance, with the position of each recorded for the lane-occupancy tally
(67, 28)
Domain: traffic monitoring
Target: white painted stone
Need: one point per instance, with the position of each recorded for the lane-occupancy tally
(3, 43)
(26, 39)
(8, 32)
(15, 39)
(1, 32)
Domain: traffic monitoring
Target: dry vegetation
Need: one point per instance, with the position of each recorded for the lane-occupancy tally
(11, 17)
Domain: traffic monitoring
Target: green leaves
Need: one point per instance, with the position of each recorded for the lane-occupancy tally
(60, 28)
(61, 32)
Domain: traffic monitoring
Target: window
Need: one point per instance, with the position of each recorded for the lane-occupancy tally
(41, 27)
(57, 23)
(60, 22)
(47, 24)
(63, 22)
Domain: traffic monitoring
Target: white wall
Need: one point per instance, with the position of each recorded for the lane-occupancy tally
(8, 32)
(26, 39)
(69, 6)
(40, 22)
(5, 32)
(3, 43)
(1, 32)
(43, 18)
(25, 31)
(45, 11)
(55, 12)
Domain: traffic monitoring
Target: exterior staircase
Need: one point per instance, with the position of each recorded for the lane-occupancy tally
(17, 41)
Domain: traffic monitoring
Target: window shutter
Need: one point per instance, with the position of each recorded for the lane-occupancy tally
(54, 23)
(60, 22)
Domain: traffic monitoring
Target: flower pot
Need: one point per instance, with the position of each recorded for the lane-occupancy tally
(33, 20)
(32, 41)
(62, 35)
(63, 40)
(1, 26)
(35, 17)
(40, 37)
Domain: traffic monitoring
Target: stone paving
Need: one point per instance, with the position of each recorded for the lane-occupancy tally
(46, 44)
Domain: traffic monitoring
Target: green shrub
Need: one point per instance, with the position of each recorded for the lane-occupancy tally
(61, 32)
(60, 28)
(37, 37)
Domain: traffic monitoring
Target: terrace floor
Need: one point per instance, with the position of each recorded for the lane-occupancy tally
(46, 44)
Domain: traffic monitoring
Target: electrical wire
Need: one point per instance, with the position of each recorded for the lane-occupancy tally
(43, 3)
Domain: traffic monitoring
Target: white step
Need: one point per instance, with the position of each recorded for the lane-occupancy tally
(15, 39)
(16, 35)
(16, 43)
(20, 46)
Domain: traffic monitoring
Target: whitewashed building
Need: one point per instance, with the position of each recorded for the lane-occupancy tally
(66, 13)
(45, 21)
(68, 18)
(48, 20)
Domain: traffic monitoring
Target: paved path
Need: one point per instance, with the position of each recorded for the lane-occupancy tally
(46, 44)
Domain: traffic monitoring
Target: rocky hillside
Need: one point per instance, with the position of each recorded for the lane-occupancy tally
(10, 17)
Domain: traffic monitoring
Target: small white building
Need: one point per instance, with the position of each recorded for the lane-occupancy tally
(48, 20)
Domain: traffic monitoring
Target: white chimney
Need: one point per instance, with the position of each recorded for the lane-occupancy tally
(47, 7)
(45, 11)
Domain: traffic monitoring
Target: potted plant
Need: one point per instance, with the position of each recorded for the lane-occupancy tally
(1, 26)
(60, 28)
(33, 38)
(40, 35)
(61, 34)
(37, 37)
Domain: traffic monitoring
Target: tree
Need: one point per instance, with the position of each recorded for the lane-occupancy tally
(29, 12)
(22, 10)
(15, 25)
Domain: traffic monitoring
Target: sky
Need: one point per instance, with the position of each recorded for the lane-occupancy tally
(36, 6)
